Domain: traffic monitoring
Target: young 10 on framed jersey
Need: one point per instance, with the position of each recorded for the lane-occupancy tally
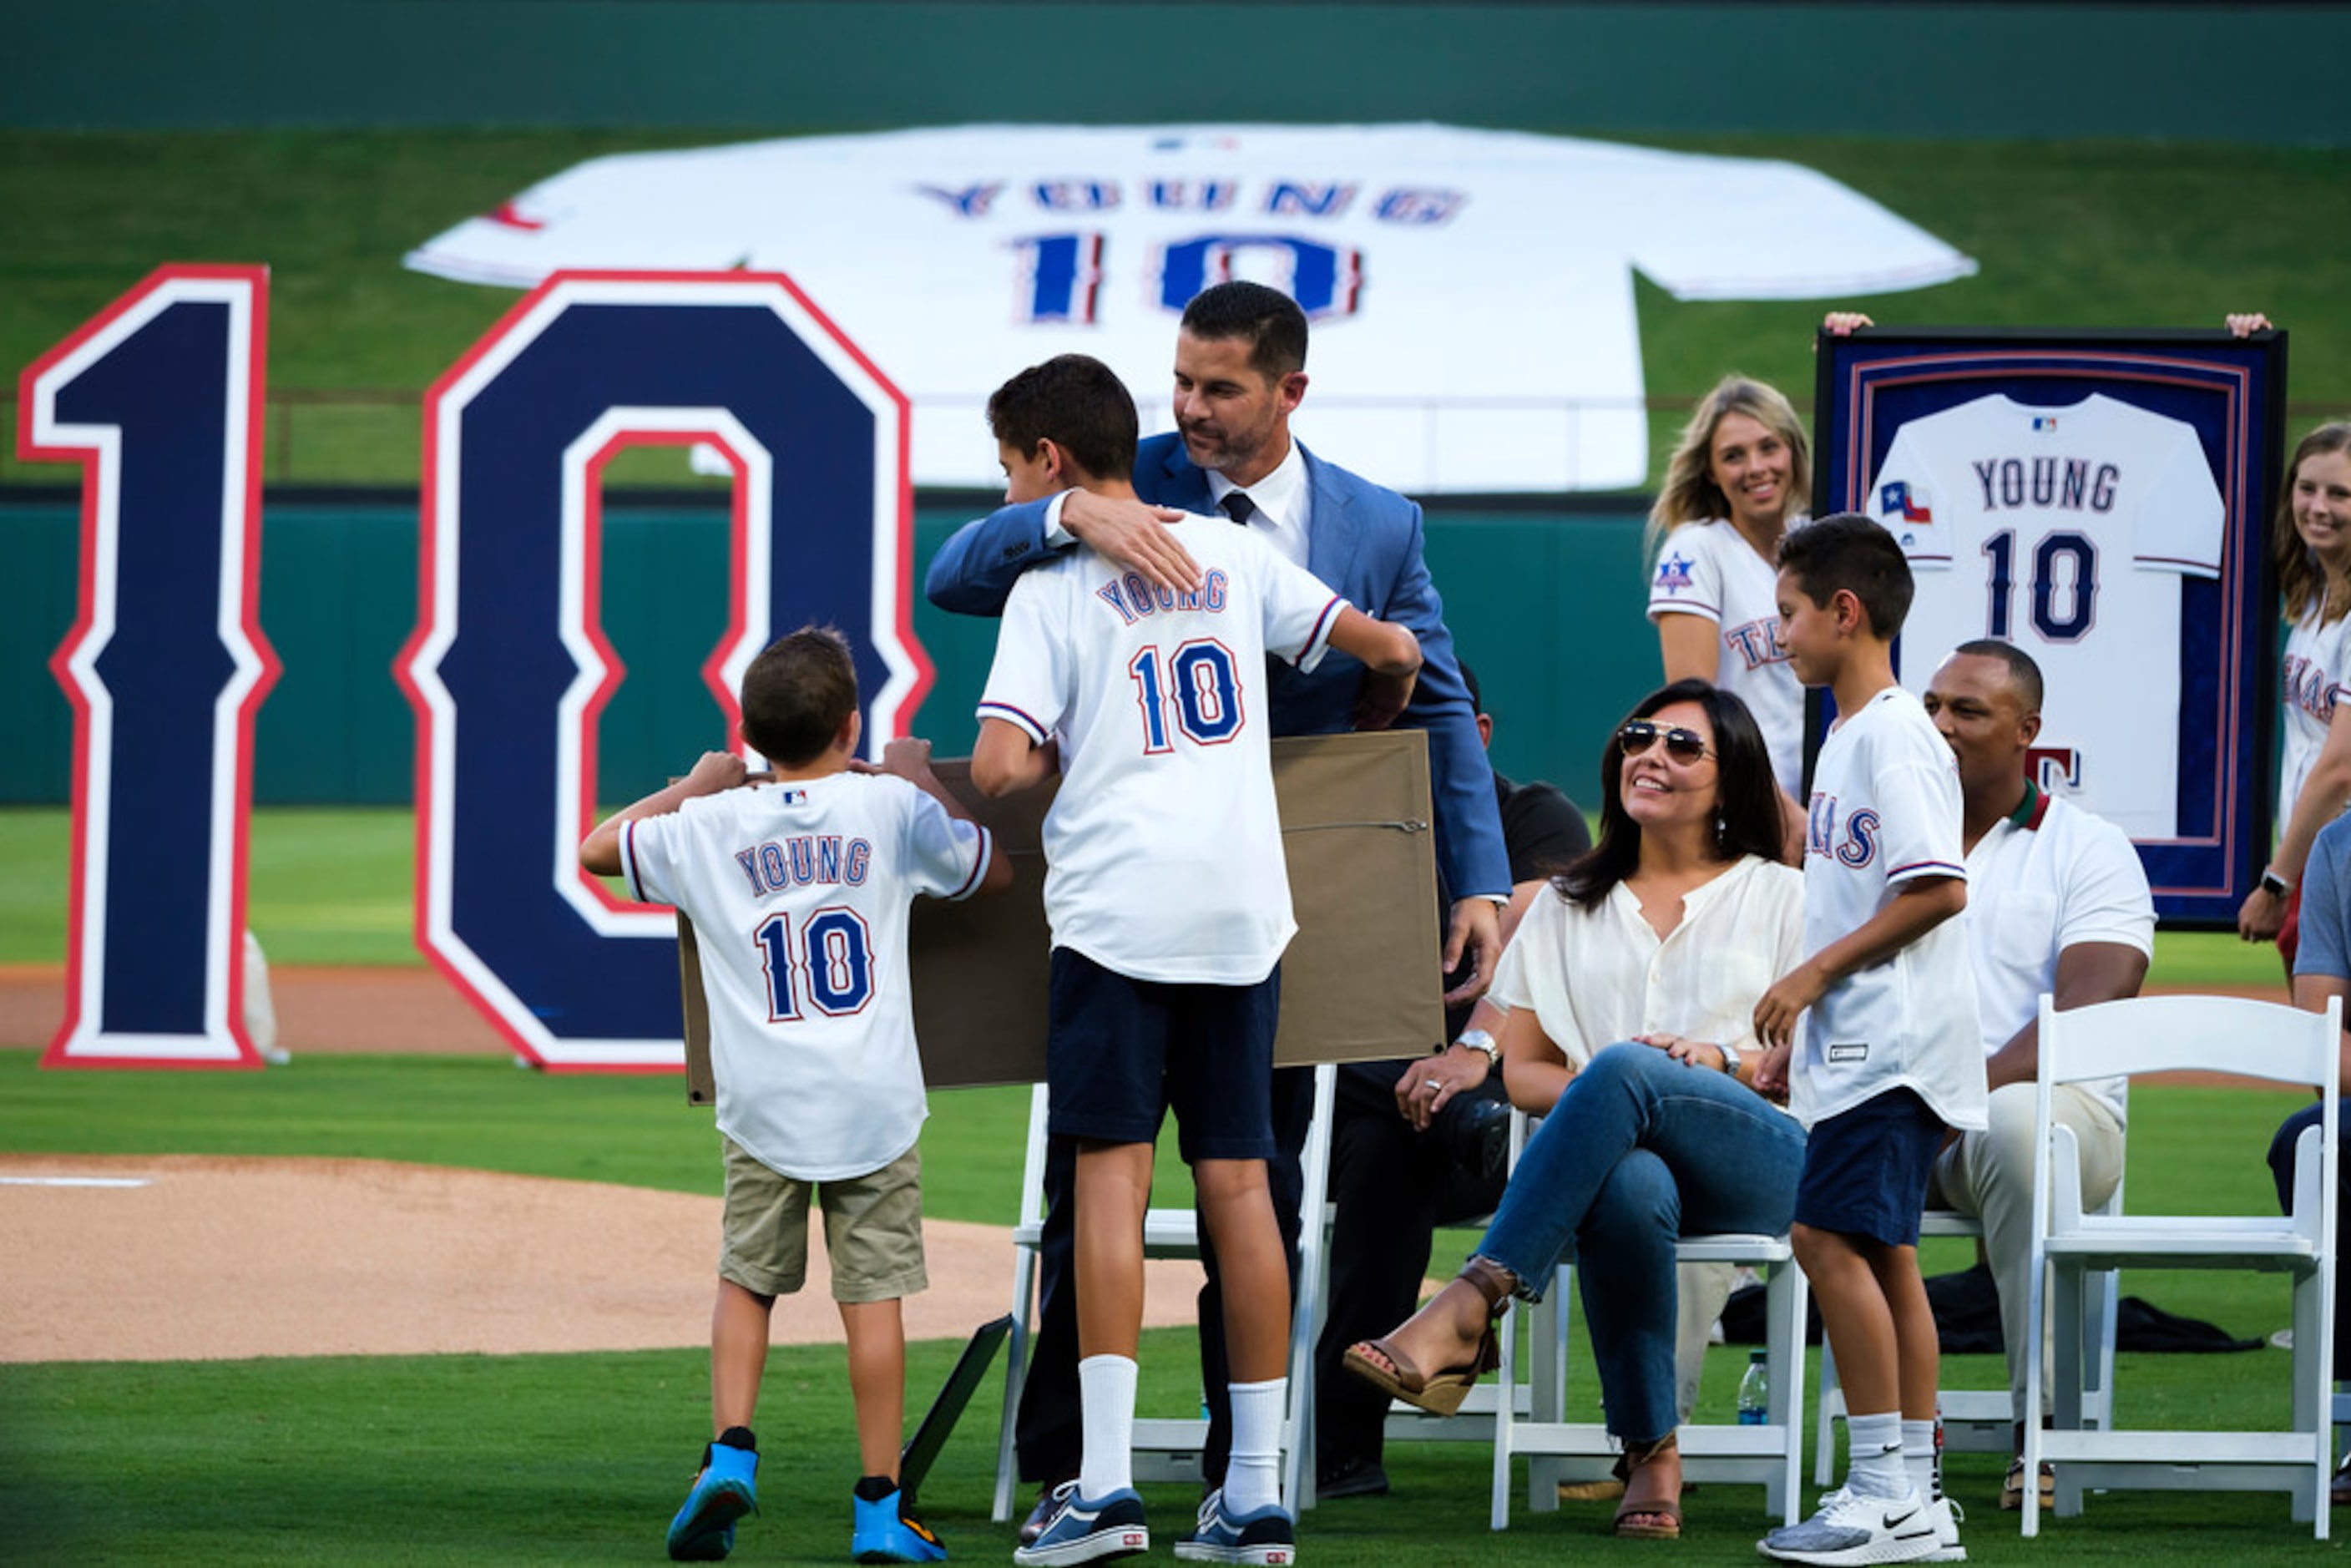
(2101, 501)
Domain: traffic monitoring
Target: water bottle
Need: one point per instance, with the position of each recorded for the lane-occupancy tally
(1755, 1391)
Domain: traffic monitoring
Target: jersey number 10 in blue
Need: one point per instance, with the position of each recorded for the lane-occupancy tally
(1205, 694)
(831, 965)
(2064, 607)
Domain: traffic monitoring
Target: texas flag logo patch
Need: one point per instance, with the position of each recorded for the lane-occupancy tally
(1903, 499)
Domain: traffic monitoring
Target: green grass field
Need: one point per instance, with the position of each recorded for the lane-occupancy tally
(580, 1458)
(2068, 234)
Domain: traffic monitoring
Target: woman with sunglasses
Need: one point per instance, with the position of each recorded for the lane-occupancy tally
(1631, 994)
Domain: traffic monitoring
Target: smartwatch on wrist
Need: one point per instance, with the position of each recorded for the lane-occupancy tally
(2274, 885)
(1729, 1058)
(1479, 1040)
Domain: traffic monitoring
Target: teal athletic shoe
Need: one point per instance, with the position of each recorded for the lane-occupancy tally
(885, 1532)
(726, 1489)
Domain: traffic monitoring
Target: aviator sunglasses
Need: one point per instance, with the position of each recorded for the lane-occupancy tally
(1681, 745)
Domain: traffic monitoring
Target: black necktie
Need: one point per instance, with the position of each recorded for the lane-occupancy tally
(1238, 506)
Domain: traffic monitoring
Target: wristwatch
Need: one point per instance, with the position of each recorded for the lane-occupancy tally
(1729, 1058)
(2274, 885)
(1479, 1040)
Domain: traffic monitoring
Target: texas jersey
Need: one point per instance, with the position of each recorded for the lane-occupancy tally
(798, 895)
(1885, 810)
(1163, 850)
(2317, 672)
(2066, 531)
(1709, 569)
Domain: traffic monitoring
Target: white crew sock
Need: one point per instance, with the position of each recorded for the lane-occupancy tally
(1919, 1456)
(1106, 1388)
(1253, 1476)
(1875, 1467)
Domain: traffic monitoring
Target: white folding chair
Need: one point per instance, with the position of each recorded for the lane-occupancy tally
(1558, 1450)
(1168, 1448)
(2157, 1034)
(1980, 1420)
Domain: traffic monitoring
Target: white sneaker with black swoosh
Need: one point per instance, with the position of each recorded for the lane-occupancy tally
(1850, 1530)
(1949, 1516)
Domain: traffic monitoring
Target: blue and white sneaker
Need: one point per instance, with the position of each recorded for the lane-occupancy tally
(1267, 1537)
(1848, 1530)
(726, 1489)
(885, 1532)
(1088, 1529)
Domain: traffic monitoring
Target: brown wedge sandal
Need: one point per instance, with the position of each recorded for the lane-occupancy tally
(1665, 1514)
(1440, 1393)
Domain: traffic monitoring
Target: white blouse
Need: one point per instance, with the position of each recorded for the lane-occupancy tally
(1594, 978)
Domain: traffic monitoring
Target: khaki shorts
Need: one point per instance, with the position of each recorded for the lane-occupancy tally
(873, 1229)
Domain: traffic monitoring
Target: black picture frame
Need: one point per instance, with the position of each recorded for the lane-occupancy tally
(2223, 729)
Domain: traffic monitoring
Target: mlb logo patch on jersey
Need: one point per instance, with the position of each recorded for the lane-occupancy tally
(2044, 424)
(1674, 574)
(1910, 502)
(795, 797)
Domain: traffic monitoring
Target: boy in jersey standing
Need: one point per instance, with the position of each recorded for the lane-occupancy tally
(1891, 1051)
(1169, 905)
(800, 885)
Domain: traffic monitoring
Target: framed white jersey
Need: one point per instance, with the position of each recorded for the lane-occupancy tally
(2074, 525)
(2102, 501)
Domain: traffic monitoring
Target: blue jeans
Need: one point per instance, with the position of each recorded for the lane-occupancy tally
(1639, 1151)
(2282, 1152)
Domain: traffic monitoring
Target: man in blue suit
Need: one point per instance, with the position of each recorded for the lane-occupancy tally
(1241, 371)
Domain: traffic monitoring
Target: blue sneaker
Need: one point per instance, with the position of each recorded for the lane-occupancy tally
(883, 1533)
(1088, 1529)
(1265, 1537)
(704, 1530)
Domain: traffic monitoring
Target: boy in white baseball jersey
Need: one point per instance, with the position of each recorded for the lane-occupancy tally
(1891, 1051)
(1169, 904)
(798, 882)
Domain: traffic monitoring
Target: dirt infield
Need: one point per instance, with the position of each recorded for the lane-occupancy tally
(187, 1259)
(333, 1011)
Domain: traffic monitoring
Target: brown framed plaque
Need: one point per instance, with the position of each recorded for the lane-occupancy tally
(1360, 981)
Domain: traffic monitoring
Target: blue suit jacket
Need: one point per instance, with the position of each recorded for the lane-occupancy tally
(1364, 541)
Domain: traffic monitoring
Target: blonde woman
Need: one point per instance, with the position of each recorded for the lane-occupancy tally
(1737, 481)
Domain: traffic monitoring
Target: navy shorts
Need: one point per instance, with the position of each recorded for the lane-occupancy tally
(1121, 1051)
(1866, 1169)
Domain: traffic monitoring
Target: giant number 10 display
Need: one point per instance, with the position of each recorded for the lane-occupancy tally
(2101, 501)
(508, 671)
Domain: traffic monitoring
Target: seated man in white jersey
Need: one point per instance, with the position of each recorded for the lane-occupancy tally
(1168, 900)
(2057, 902)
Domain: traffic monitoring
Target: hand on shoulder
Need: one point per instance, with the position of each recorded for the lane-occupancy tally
(1133, 536)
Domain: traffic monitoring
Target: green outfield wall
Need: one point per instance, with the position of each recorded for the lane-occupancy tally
(2238, 73)
(1546, 604)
